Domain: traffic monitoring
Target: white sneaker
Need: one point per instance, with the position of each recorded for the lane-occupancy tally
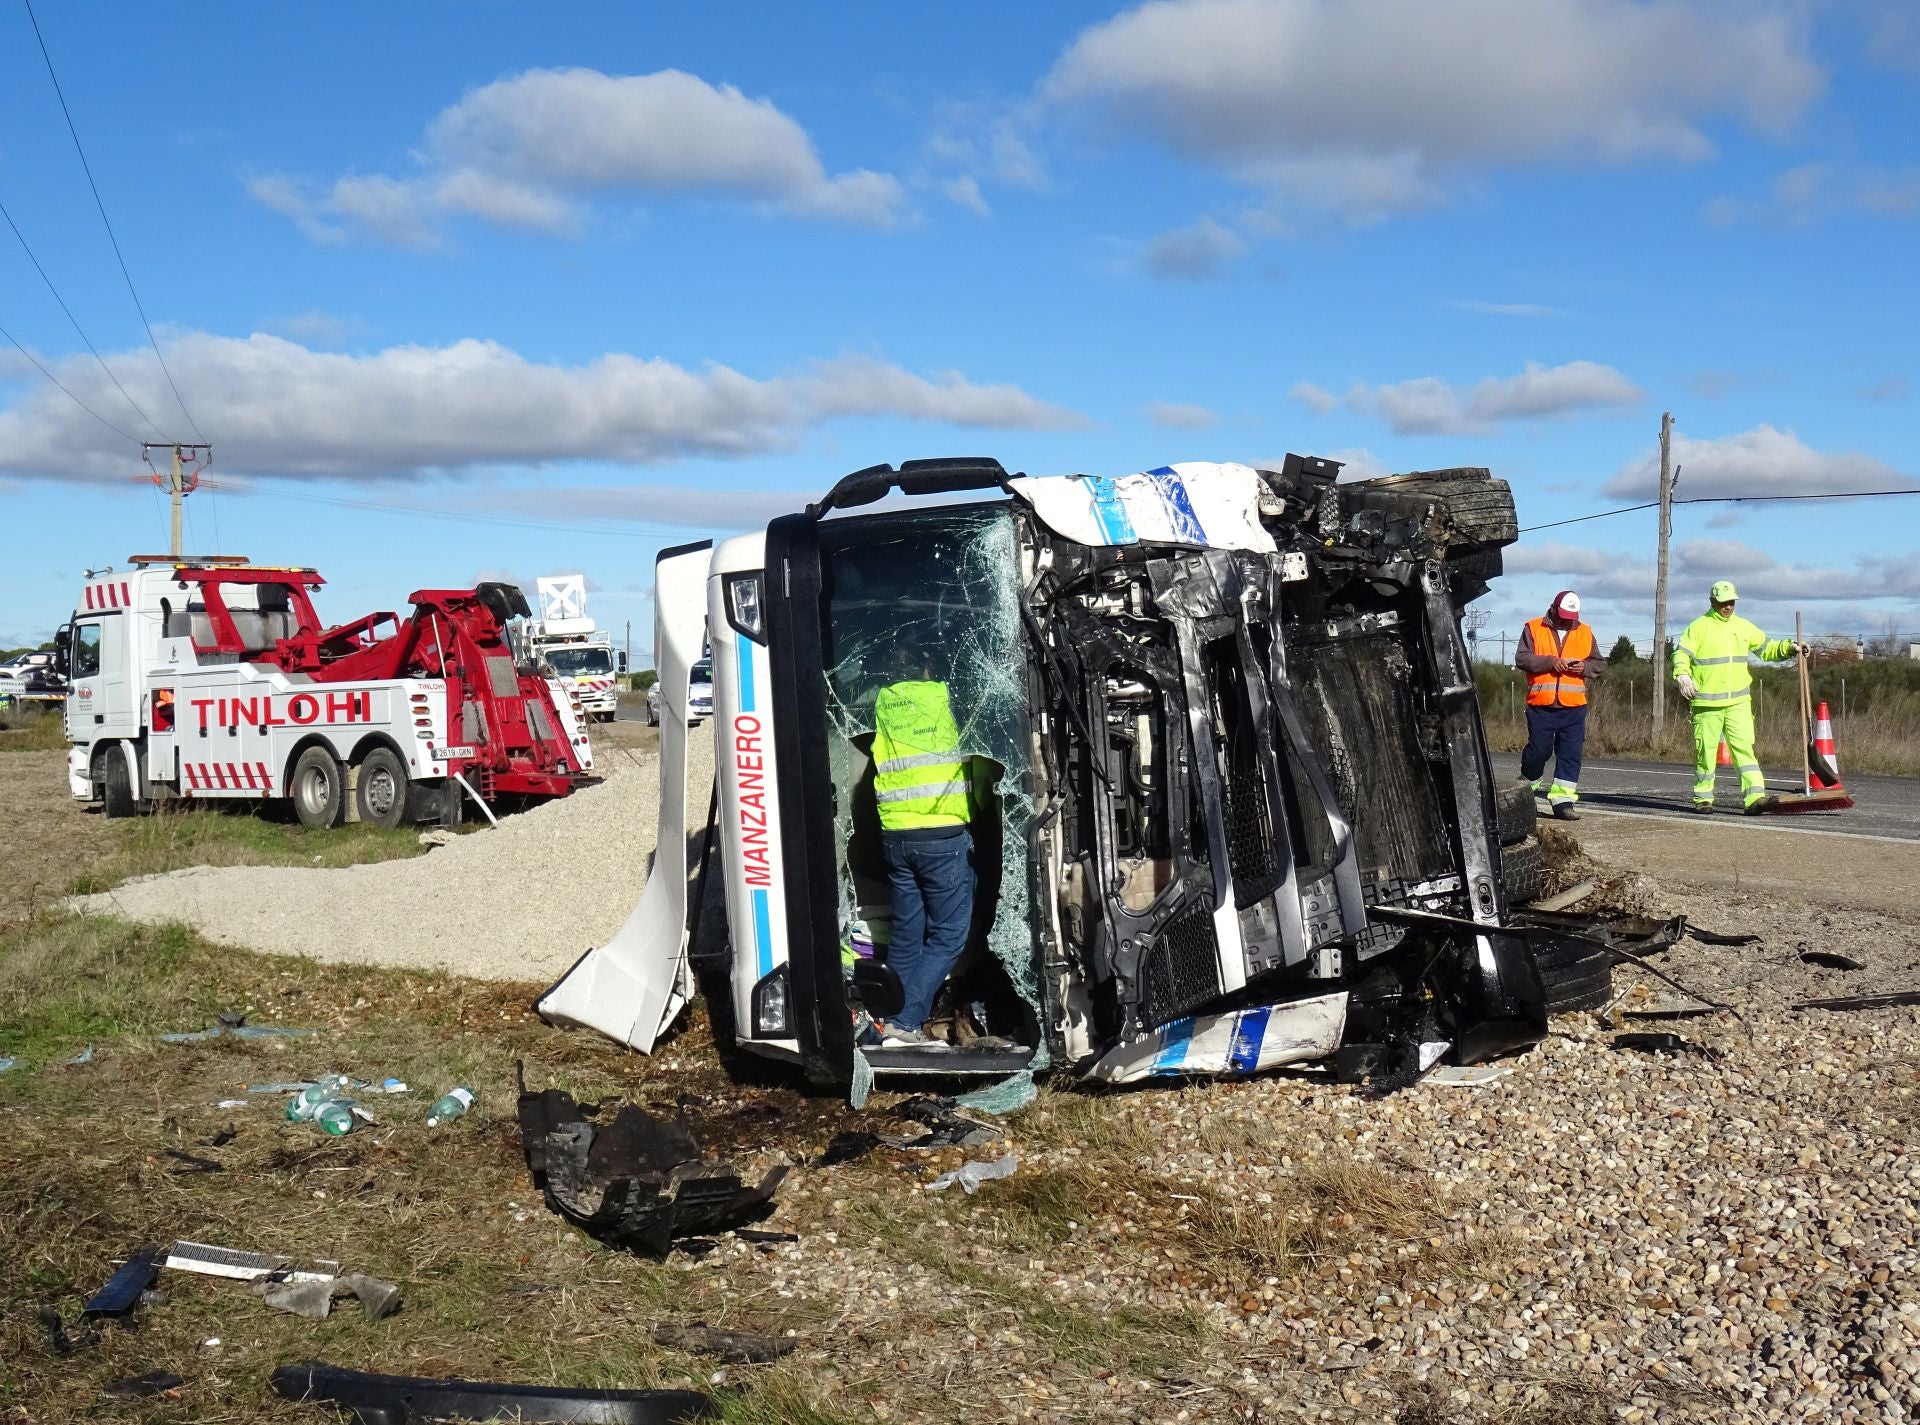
(892, 1038)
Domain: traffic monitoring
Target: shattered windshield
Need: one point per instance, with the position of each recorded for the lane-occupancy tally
(579, 662)
(933, 595)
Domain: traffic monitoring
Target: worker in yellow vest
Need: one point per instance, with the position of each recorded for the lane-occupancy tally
(921, 782)
(1710, 667)
(1558, 654)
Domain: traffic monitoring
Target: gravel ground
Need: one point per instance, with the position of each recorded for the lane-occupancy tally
(520, 902)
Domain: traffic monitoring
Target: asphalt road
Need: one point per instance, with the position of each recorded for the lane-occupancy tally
(1884, 806)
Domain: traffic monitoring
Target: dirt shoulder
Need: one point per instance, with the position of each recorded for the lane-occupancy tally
(50, 840)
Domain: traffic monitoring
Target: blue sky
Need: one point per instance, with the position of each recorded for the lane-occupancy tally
(480, 288)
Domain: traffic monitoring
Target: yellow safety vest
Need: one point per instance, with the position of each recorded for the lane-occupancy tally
(1713, 652)
(919, 772)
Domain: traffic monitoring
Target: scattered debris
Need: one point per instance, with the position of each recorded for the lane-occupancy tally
(847, 1147)
(299, 1087)
(57, 1339)
(142, 1387)
(398, 1400)
(638, 1182)
(1713, 937)
(760, 1238)
(121, 1294)
(223, 1137)
(235, 1026)
(236, 1265)
(1572, 895)
(1861, 1001)
(946, 1128)
(970, 1175)
(1469, 1075)
(233, 1103)
(311, 1299)
(194, 1163)
(452, 1104)
(1827, 959)
(730, 1348)
(6, 1064)
(1664, 1043)
(85, 1056)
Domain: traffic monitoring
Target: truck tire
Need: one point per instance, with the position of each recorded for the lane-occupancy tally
(1576, 975)
(1479, 508)
(380, 791)
(318, 786)
(1523, 870)
(1515, 812)
(117, 799)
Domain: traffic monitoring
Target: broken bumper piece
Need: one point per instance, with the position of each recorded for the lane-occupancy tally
(639, 1182)
(413, 1400)
(1242, 1041)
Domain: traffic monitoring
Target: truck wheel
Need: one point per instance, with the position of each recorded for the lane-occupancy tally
(1515, 811)
(318, 788)
(380, 795)
(1576, 975)
(119, 798)
(1523, 869)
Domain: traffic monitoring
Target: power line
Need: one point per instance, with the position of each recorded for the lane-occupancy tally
(88, 169)
(1723, 500)
(24, 247)
(124, 435)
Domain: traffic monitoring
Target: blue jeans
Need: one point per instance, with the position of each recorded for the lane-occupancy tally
(931, 873)
(1559, 733)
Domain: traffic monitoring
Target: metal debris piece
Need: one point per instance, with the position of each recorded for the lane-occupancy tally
(1664, 1043)
(122, 1292)
(311, 1299)
(1828, 959)
(970, 1175)
(946, 1127)
(1862, 1001)
(1713, 937)
(142, 1387)
(211, 1261)
(730, 1348)
(764, 1239)
(403, 1400)
(1572, 895)
(639, 1181)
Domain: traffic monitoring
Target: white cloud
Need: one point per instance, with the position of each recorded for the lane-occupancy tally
(1814, 192)
(1889, 388)
(987, 143)
(1696, 563)
(1176, 415)
(1761, 461)
(527, 150)
(965, 191)
(1368, 106)
(1428, 405)
(1314, 398)
(1193, 253)
(706, 507)
(316, 328)
(282, 409)
(1358, 463)
(1501, 309)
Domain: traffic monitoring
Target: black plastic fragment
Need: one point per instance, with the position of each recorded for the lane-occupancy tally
(412, 1400)
(1829, 959)
(640, 1181)
(223, 1137)
(58, 1341)
(140, 1387)
(1663, 1043)
(1712, 937)
(761, 1238)
(845, 1148)
(122, 1291)
(194, 1163)
(1862, 1001)
(731, 1348)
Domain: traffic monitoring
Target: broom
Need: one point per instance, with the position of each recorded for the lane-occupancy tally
(1807, 799)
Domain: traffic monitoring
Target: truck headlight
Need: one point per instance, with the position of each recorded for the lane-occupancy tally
(743, 605)
(770, 1006)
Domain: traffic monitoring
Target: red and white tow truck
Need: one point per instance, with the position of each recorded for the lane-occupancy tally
(212, 678)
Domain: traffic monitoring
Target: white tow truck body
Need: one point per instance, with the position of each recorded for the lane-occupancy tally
(580, 655)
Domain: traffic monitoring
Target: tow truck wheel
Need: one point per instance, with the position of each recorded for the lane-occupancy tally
(380, 796)
(318, 787)
(119, 799)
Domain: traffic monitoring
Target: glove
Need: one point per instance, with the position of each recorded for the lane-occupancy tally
(1686, 687)
(1803, 650)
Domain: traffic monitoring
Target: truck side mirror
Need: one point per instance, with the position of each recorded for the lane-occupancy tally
(623, 662)
(63, 650)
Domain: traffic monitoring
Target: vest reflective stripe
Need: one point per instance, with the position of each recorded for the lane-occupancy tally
(920, 776)
(1730, 658)
(1565, 690)
(1730, 697)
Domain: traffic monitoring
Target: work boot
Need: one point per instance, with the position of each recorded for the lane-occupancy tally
(1760, 806)
(1703, 808)
(1566, 811)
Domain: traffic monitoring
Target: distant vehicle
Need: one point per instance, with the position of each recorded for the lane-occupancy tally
(699, 696)
(21, 666)
(573, 650)
(215, 679)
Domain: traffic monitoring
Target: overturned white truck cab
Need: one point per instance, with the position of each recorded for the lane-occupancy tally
(1235, 808)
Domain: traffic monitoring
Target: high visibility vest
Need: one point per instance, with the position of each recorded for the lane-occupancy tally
(1713, 651)
(1558, 690)
(919, 773)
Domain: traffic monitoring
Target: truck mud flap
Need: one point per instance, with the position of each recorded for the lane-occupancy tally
(1243, 1041)
(634, 987)
(1500, 1003)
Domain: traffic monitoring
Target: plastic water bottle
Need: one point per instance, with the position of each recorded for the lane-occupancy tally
(449, 1106)
(302, 1105)
(335, 1116)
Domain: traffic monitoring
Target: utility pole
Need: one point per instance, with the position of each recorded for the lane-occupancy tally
(1660, 576)
(178, 482)
(629, 647)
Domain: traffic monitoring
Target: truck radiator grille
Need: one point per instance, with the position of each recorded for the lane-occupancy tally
(1184, 968)
(1250, 849)
(1361, 717)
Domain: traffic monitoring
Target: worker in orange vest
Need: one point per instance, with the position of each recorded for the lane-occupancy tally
(1558, 654)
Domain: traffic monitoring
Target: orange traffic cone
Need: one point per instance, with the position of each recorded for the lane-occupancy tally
(1726, 759)
(1825, 765)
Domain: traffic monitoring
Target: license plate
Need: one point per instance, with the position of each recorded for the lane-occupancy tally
(448, 754)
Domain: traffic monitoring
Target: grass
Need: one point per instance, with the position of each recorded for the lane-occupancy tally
(1876, 715)
(214, 834)
(27, 728)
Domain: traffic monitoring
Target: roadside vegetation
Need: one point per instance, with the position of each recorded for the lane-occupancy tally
(31, 727)
(1875, 704)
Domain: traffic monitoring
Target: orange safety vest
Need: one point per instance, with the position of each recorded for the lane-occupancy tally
(1564, 690)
